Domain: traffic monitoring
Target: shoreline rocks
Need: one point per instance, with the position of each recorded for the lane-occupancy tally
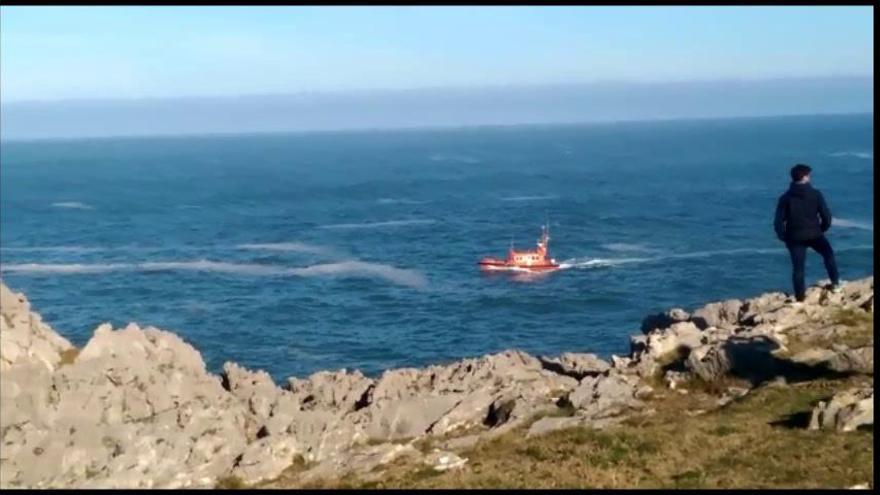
(135, 407)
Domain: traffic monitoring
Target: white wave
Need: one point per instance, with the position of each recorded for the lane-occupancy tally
(68, 268)
(372, 225)
(400, 276)
(439, 157)
(529, 198)
(852, 224)
(56, 249)
(399, 201)
(864, 155)
(627, 247)
(212, 266)
(72, 205)
(295, 247)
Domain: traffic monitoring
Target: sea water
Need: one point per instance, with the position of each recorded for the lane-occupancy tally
(301, 252)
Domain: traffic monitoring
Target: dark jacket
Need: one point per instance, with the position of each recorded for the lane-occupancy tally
(801, 214)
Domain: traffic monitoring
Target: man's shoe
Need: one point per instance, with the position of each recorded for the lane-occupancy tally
(835, 289)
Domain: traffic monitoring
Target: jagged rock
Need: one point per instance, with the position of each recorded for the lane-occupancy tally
(256, 390)
(136, 409)
(846, 411)
(576, 365)
(709, 362)
(339, 390)
(723, 314)
(24, 338)
(663, 320)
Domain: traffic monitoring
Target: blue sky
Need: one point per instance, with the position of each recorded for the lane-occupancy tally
(50, 53)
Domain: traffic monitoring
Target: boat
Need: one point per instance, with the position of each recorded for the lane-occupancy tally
(536, 260)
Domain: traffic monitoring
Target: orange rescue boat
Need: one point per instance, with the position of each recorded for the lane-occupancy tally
(536, 260)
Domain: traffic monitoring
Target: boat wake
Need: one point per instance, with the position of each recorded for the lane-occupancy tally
(588, 263)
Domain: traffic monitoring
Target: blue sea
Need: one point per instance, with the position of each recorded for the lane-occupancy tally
(301, 252)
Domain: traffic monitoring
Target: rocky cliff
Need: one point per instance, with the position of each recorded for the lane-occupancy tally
(135, 407)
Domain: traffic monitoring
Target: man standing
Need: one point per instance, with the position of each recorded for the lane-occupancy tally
(802, 218)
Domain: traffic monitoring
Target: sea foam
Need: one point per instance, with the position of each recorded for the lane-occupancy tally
(76, 205)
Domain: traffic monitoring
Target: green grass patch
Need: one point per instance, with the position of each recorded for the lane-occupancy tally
(751, 443)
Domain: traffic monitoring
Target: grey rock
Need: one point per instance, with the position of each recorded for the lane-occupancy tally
(663, 320)
(576, 365)
(846, 411)
(443, 460)
(548, 423)
(723, 314)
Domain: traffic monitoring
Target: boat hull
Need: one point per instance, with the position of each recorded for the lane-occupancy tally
(500, 265)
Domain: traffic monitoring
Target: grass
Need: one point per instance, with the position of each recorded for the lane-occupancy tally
(758, 441)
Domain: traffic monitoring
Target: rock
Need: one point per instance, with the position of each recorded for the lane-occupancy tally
(752, 308)
(576, 365)
(663, 320)
(256, 390)
(549, 423)
(266, 458)
(471, 410)
(663, 347)
(443, 461)
(24, 338)
(410, 417)
(814, 356)
(718, 315)
(674, 379)
(709, 362)
(859, 360)
(137, 408)
(359, 460)
(338, 390)
(846, 411)
(605, 396)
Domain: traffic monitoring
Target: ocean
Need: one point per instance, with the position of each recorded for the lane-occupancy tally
(296, 253)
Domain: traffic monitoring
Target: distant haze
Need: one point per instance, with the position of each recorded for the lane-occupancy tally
(434, 108)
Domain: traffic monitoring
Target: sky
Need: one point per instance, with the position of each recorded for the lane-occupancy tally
(123, 71)
(55, 53)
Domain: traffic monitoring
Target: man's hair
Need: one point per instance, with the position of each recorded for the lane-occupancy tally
(800, 171)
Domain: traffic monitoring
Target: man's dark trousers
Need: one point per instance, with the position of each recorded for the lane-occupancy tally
(798, 251)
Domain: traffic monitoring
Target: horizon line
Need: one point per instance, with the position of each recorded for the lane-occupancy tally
(477, 87)
(440, 128)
